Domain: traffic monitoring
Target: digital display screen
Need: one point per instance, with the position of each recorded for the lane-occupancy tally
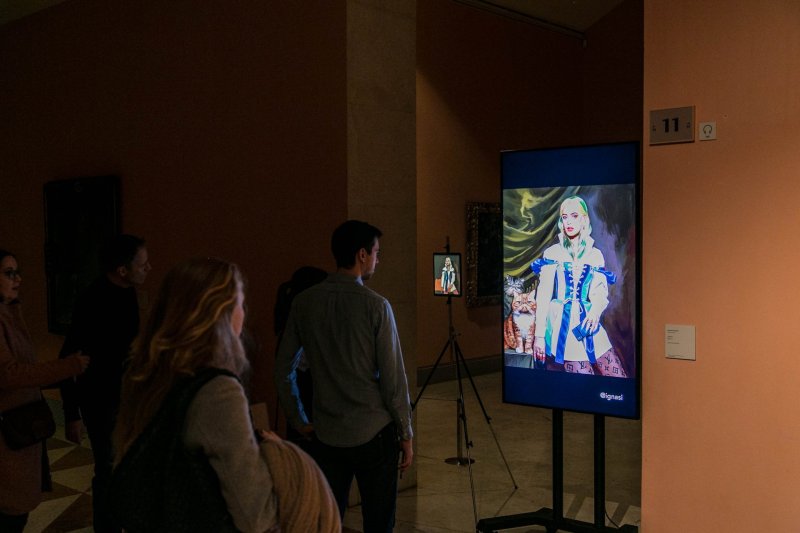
(447, 274)
(571, 270)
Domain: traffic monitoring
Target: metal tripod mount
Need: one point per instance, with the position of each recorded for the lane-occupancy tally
(462, 429)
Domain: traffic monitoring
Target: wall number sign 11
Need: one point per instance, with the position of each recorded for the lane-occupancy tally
(674, 125)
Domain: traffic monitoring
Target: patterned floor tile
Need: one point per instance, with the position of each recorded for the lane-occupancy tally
(78, 478)
(60, 491)
(76, 516)
(49, 512)
(56, 443)
(74, 457)
(57, 453)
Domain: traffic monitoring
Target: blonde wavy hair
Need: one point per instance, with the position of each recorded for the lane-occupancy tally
(188, 329)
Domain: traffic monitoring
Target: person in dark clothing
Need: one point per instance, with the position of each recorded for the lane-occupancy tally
(302, 278)
(105, 322)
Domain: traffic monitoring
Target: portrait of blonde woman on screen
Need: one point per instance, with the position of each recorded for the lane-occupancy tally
(446, 276)
(572, 294)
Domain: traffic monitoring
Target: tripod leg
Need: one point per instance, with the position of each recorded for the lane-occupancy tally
(461, 361)
(462, 415)
(432, 372)
(467, 442)
(470, 460)
(459, 458)
(461, 424)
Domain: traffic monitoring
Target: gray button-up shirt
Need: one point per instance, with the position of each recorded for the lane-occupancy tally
(350, 339)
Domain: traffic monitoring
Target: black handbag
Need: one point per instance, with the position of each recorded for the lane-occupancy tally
(27, 424)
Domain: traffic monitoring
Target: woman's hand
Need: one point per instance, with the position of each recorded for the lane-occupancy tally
(83, 360)
(268, 436)
(538, 349)
(307, 431)
(592, 321)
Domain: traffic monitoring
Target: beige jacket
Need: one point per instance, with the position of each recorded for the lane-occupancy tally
(271, 486)
(21, 378)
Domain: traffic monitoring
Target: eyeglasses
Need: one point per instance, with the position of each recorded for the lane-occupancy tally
(12, 274)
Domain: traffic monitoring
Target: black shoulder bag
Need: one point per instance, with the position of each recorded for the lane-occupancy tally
(27, 424)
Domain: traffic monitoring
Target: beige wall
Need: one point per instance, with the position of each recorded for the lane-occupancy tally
(483, 81)
(486, 84)
(721, 435)
(226, 121)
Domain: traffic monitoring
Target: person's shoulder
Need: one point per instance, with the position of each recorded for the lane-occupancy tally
(96, 289)
(552, 251)
(221, 385)
(9, 313)
(337, 282)
(595, 257)
(310, 294)
(367, 296)
(224, 381)
(216, 402)
(377, 302)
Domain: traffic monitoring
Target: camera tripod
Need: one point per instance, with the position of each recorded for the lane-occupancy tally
(462, 431)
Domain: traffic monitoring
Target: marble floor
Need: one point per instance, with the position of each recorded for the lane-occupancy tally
(442, 501)
(69, 506)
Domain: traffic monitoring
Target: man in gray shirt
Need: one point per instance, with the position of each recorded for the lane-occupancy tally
(361, 402)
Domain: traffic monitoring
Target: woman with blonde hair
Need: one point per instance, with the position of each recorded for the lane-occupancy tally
(188, 457)
(448, 277)
(571, 297)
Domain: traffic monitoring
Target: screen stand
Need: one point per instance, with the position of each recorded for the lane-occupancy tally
(553, 519)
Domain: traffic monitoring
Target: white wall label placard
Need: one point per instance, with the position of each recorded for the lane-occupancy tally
(679, 341)
(673, 125)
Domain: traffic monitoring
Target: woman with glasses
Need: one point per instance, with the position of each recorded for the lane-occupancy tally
(21, 379)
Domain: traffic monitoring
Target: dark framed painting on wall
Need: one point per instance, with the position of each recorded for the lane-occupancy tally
(80, 215)
(484, 254)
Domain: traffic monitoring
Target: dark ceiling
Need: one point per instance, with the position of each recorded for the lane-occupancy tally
(568, 15)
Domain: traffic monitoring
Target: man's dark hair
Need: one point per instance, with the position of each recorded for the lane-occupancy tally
(119, 251)
(351, 237)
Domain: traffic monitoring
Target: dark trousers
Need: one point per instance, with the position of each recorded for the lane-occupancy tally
(374, 465)
(99, 426)
(13, 523)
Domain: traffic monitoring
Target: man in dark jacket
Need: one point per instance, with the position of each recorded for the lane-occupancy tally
(105, 322)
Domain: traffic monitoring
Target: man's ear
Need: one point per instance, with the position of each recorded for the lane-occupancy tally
(362, 254)
(122, 271)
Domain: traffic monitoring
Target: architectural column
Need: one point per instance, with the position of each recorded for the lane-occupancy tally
(381, 152)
